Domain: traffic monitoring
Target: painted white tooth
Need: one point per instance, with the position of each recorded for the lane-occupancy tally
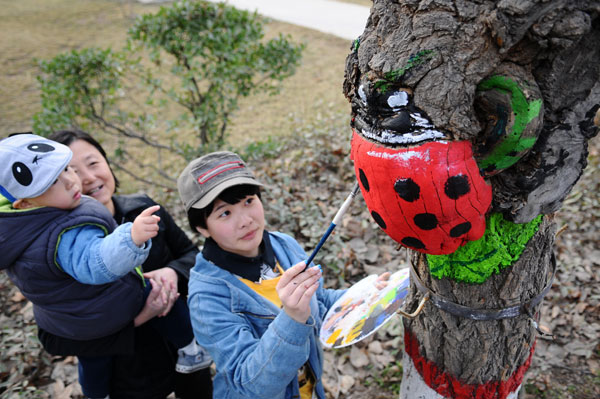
(397, 100)
(362, 95)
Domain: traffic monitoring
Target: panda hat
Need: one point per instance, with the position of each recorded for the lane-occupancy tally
(30, 164)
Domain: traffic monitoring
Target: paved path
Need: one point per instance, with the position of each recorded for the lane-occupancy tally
(345, 20)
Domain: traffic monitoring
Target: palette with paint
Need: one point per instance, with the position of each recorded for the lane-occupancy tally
(363, 309)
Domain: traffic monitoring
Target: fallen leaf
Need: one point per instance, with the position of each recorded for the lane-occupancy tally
(18, 297)
(358, 358)
(375, 347)
(346, 382)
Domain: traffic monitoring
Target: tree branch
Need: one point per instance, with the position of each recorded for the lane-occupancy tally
(159, 170)
(120, 167)
(187, 65)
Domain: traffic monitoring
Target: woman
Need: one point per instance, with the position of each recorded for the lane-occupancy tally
(144, 362)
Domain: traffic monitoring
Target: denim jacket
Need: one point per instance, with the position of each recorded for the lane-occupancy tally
(257, 347)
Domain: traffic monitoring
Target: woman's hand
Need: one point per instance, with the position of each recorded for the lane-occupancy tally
(295, 288)
(145, 226)
(168, 279)
(155, 305)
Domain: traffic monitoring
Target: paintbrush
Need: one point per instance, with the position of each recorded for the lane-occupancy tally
(336, 220)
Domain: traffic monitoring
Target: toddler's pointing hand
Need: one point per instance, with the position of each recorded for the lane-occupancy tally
(145, 226)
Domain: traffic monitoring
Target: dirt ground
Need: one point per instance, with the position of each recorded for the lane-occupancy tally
(567, 367)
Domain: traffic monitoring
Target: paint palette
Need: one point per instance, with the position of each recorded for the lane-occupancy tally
(363, 309)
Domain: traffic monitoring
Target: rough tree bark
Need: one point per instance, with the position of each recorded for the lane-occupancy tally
(426, 71)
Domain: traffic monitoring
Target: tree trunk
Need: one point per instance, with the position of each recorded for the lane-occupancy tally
(511, 89)
(473, 352)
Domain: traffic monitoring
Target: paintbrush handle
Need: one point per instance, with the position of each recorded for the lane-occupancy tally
(336, 220)
(338, 216)
(320, 244)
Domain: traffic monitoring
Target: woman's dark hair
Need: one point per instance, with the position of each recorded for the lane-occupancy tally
(231, 195)
(67, 137)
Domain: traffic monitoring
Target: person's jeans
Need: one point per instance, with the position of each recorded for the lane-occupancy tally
(94, 375)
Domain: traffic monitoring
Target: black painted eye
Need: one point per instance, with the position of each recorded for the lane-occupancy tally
(22, 174)
(400, 122)
(40, 147)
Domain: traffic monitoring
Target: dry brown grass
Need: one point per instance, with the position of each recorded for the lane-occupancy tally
(314, 91)
(40, 29)
(32, 29)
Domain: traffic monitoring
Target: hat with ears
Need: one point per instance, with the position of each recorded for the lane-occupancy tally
(206, 177)
(30, 165)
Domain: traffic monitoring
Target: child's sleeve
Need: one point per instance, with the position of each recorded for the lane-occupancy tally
(90, 257)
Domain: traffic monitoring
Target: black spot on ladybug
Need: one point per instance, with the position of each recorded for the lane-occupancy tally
(457, 186)
(22, 174)
(379, 220)
(407, 189)
(460, 229)
(363, 179)
(40, 147)
(426, 221)
(413, 242)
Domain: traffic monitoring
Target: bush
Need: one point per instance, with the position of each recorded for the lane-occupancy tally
(189, 64)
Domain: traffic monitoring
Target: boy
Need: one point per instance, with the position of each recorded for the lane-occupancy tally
(251, 305)
(57, 250)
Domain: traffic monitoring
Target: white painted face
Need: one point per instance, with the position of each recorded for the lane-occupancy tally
(391, 118)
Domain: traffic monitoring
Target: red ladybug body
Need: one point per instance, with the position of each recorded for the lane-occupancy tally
(428, 197)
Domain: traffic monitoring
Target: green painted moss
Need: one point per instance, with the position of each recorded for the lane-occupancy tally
(394, 76)
(500, 246)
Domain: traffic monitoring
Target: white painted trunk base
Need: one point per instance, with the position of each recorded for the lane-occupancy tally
(414, 387)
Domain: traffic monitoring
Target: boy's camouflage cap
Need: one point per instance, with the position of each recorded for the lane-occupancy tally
(206, 177)
(30, 165)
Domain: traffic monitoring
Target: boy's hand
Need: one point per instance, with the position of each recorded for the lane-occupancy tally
(295, 288)
(145, 226)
